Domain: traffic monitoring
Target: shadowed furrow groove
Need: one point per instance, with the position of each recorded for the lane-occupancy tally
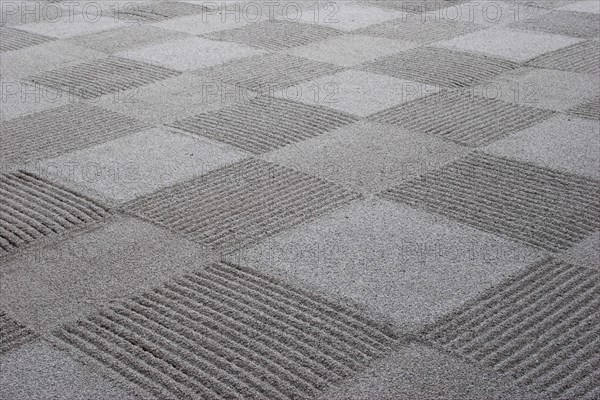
(440, 67)
(266, 72)
(264, 124)
(539, 207)
(253, 200)
(201, 336)
(468, 120)
(14, 39)
(60, 130)
(544, 332)
(275, 35)
(102, 76)
(583, 58)
(32, 208)
(13, 334)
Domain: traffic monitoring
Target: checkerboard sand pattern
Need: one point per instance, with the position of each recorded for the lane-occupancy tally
(187, 324)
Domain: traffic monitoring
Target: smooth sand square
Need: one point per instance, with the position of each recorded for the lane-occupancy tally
(190, 54)
(44, 57)
(564, 143)
(541, 88)
(357, 92)
(137, 164)
(348, 51)
(20, 98)
(509, 44)
(70, 25)
(399, 262)
(175, 98)
(45, 287)
(38, 371)
(367, 156)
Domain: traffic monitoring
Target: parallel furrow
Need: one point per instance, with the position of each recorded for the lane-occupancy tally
(413, 28)
(33, 208)
(542, 327)
(246, 203)
(60, 130)
(440, 67)
(582, 58)
(470, 121)
(542, 208)
(588, 109)
(14, 39)
(103, 76)
(202, 336)
(267, 72)
(264, 124)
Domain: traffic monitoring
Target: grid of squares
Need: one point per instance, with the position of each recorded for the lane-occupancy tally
(100, 77)
(332, 216)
